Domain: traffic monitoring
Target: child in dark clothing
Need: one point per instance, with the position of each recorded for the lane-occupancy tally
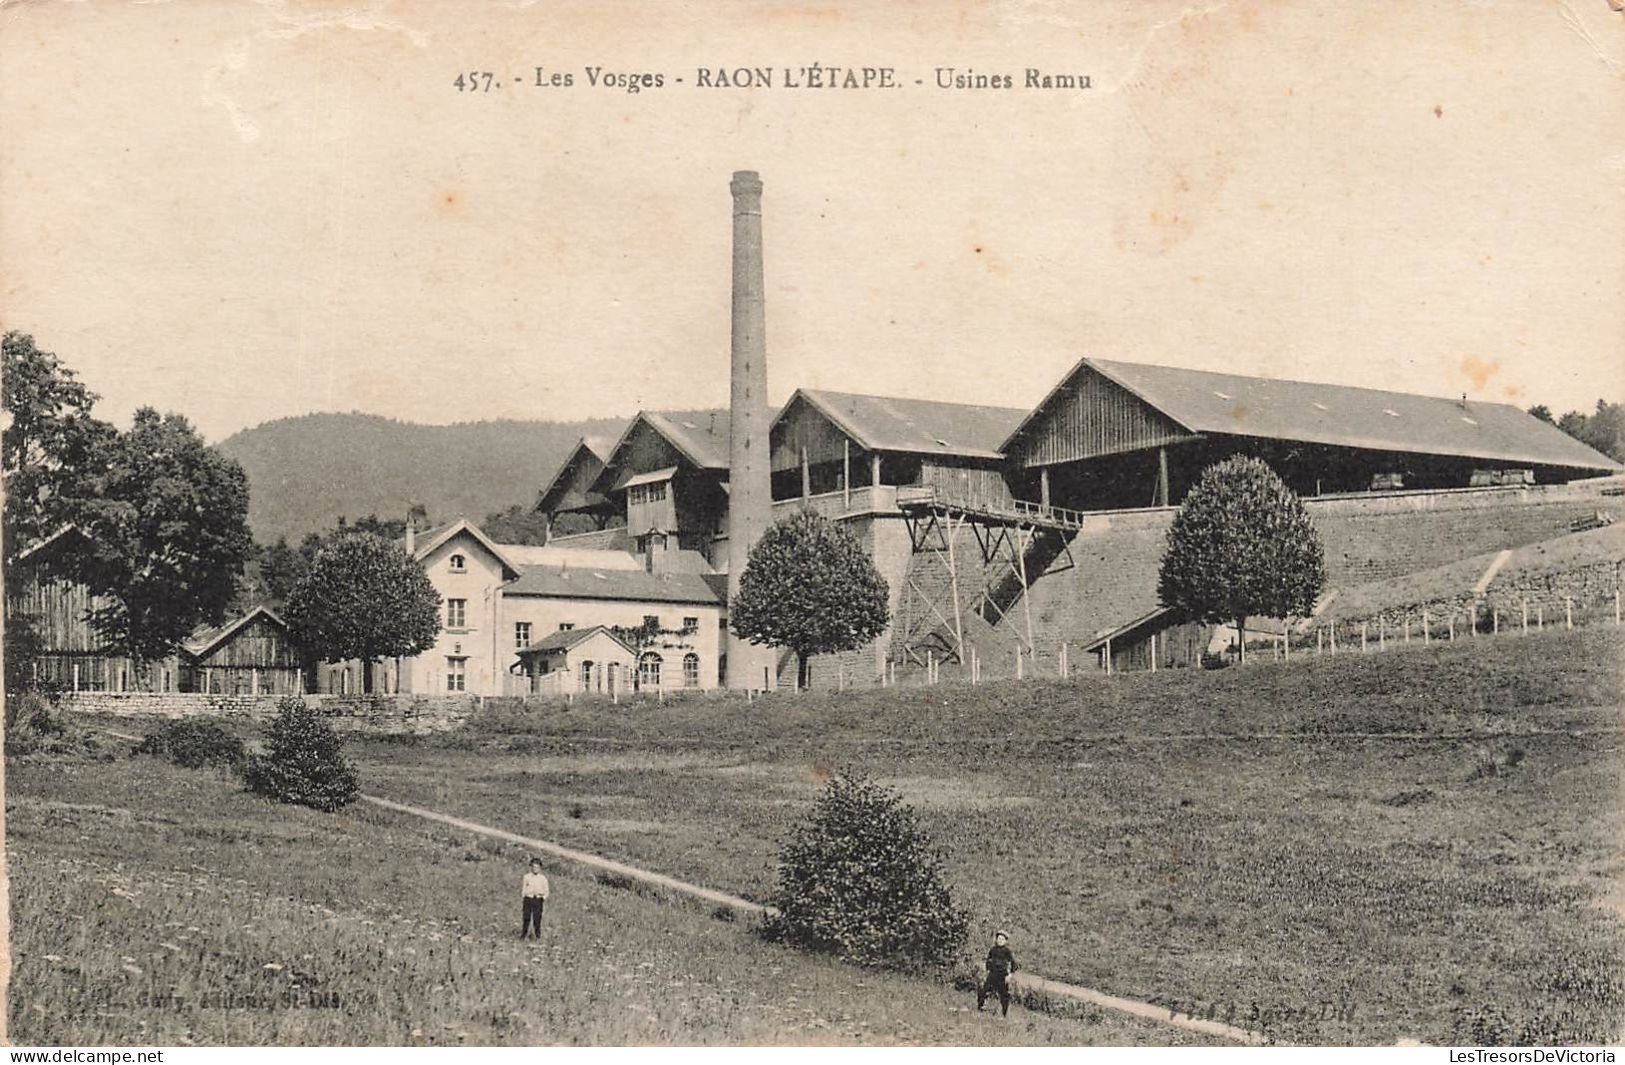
(996, 981)
(533, 890)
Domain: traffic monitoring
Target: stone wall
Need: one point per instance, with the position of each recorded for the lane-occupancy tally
(377, 714)
(1110, 575)
(1532, 599)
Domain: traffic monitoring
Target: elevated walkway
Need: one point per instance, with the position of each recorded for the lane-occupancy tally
(1017, 512)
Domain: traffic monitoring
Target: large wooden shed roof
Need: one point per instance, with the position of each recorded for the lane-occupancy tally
(915, 426)
(1337, 415)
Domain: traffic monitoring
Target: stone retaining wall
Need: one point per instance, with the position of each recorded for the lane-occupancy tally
(376, 714)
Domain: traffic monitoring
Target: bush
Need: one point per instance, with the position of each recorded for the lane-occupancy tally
(305, 763)
(860, 879)
(31, 724)
(195, 744)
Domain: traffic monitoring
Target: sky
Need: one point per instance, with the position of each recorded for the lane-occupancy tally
(242, 211)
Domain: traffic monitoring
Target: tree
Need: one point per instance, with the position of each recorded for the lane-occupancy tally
(861, 879)
(809, 586)
(363, 597)
(280, 568)
(1603, 430)
(304, 763)
(1241, 545)
(51, 446)
(1543, 412)
(518, 524)
(170, 529)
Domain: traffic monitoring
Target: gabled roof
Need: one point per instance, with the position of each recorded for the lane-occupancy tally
(1339, 416)
(624, 585)
(701, 438)
(588, 449)
(565, 639)
(204, 642)
(68, 531)
(916, 426)
(427, 542)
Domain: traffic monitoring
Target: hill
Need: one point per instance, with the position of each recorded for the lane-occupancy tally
(305, 473)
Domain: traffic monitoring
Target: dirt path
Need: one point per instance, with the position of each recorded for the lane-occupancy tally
(1057, 988)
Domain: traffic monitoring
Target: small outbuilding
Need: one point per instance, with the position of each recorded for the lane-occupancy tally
(579, 662)
(1161, 639)
(250, 655)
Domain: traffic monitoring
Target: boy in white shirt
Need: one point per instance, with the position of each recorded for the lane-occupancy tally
(534, 891)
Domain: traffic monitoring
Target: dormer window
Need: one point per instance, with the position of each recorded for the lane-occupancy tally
(457, 563)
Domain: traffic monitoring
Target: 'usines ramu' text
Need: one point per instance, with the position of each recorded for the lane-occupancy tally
(815, 77)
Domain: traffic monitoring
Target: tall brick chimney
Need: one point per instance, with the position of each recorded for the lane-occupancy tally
(750, 494)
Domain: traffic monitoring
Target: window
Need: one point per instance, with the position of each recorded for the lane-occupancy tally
(521, 634)
(566, 626)
(646, 493)
(586, 676)
(456, 673)
(649, 670)
(691, 625)
(456, 613)
(457, 563)
(691, 670)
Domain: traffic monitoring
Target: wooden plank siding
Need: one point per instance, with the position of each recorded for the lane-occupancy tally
(1091, 417)
(57, 609)
(967, 481)
(803, 427)
(1178, 647)
(71, 652)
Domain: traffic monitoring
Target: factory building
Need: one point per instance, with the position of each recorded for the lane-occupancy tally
(1120, 434)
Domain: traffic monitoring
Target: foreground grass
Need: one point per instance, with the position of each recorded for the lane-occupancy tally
(164, 906)
(1317, 847)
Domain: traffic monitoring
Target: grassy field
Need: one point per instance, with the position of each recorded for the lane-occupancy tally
(1422, 844)
(1319, 842)
(156, 905)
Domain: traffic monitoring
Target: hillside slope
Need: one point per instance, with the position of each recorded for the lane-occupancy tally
(306, 472)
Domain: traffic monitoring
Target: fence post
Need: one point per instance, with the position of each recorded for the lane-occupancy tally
(1018, 663)
(1495, 621)
(76, 678)
(1568, 612)
(1153, 652)
(1108, 653)
(1334, 637)
(1451, 627)
(1320, 636)
(1524, 604)
(1427, 627)
(1540, 617)
(1382, 634)
(1616, 606)
(1407, 628)
(1362, 637)
(931, 667)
